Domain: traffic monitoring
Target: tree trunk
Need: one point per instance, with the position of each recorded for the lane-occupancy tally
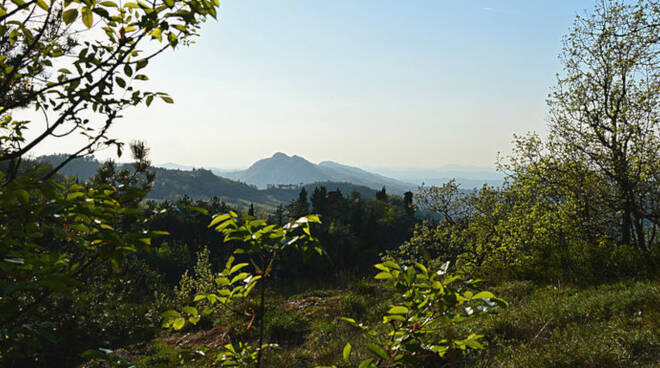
(626, 224)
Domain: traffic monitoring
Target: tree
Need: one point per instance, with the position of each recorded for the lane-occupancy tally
(56, 237)
(299, 207)
(408, 203)
(79, 64)
(381, 195)
(277, 217)
(318, 200)
(605, 112)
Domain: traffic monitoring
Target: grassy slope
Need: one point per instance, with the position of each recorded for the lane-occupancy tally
(616, 325)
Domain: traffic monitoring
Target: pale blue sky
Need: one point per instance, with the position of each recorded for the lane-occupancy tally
(366, 83)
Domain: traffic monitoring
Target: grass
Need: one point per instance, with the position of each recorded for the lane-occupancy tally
(611, 325)
(616, 325)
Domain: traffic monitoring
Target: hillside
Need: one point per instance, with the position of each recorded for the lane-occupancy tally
(362, 177)
(284, 169)
(280, 169)
(171, 184)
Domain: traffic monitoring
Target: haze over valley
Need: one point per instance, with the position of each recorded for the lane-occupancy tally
(282, 169)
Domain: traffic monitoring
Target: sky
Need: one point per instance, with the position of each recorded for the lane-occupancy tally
(369, 83)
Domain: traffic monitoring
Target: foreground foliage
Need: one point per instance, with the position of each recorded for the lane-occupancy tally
(78, 64)
(420, 324)
(262, 244)
(610, 325)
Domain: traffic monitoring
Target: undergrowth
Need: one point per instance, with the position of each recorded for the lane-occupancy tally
(610, 325)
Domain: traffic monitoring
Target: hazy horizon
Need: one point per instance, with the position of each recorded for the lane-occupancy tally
(126, 159)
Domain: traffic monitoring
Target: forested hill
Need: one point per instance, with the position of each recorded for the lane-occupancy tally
(284, 169)
(203, 184)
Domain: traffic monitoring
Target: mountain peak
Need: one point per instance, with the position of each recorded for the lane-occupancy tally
(285, 169)
(280, 155)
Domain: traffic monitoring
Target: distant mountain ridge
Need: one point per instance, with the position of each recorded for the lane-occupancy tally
(283, 169)
(359, 176)
(171, 184)
(468, 177)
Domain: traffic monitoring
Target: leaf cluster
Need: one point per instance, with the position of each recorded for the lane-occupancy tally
(420, 324)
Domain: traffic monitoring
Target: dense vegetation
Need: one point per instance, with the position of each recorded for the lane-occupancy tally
(94, 273)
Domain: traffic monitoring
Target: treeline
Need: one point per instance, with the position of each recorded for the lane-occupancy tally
(354, 231)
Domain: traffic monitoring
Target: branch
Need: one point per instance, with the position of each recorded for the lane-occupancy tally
(19, 8)
(70, 110)
(87, 147)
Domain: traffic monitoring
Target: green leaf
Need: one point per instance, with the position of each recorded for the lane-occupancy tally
(74, 195)
(439, 349)
(349, 320)
(87, 17)
(347, 353)
(391, 264)
(383, 276)
(222, 281)
(179, 323)
(157, 34)
(366, 363)
(167, 99)
(483, 295)
(239, 277)
(120, 82)
(394, 317)
(378, 351)
(422, 267)
(69, 16)
(398, 310)
(141, 64)
(190, 310)
(473, 341)
(42, 4)
(218, 219)
(237, 267)
(381, 267)
(170, 314)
